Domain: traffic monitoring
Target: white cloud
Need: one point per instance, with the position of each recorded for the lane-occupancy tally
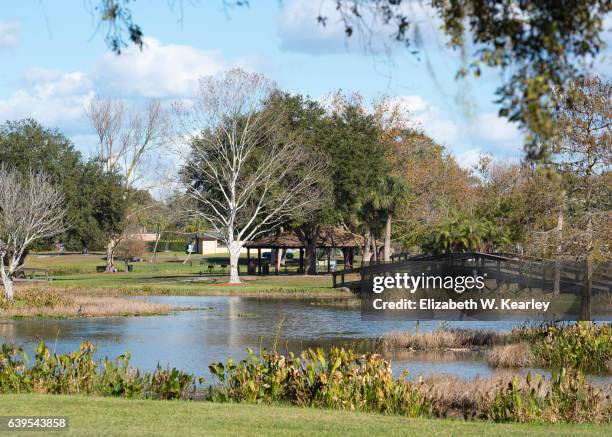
(159, 70)
(299, 31)
(58, 99)
(52, 98)
(9, 33)
(429, 117)
(495, 134)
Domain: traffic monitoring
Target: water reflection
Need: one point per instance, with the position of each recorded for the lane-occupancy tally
(218, 327)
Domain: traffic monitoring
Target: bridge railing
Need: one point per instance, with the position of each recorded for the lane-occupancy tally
(530, 270)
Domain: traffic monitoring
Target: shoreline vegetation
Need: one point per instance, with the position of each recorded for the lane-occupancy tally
(340, 379)
(583, 345)
(46, 302)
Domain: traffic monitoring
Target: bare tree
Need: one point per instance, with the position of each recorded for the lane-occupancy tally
(127, 140)
(31, 208)
(245, 173)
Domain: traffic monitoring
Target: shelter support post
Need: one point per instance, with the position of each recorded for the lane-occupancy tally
(259, 261)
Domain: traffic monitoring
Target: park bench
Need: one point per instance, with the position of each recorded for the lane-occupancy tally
(29, 273)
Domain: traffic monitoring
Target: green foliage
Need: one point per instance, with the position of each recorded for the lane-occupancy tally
(341, 379)
(77, 373)
(171, 245)
(95, 204)
(567, 398)
(385, 195)
(464, 234)
(539, 45)
(585, 346)
(514, 402)
(36, 298)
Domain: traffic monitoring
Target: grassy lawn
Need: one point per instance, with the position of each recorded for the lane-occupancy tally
(77, 273)
(111, 416)
(193, 284)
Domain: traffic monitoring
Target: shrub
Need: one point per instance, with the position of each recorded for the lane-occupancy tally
(130, 249)
(173, 246)
(444, 339)
(39, 297)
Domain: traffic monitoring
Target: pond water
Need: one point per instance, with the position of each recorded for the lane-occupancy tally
(218, 327)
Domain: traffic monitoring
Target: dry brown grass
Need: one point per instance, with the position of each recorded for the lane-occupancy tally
(49, 302)
(456, 397)
(451, 396)
(511, 355)
(447, 339)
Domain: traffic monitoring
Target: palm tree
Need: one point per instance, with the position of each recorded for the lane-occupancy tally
(388, 195)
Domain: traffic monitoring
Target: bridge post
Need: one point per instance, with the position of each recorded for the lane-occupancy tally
(585, 301)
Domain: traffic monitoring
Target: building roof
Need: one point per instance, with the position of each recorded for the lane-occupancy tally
(329, 237)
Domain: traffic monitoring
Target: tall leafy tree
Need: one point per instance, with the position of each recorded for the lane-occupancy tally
(307, 119)
(244, 174)
(92, 203)
(358, 160)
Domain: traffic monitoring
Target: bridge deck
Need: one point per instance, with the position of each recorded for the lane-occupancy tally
(505, 268)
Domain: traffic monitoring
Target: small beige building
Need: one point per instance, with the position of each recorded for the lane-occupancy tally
(208, 243)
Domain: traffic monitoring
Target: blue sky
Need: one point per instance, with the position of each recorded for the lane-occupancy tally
(53, 62)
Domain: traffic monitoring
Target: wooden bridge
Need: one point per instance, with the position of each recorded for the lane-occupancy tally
(502, 270)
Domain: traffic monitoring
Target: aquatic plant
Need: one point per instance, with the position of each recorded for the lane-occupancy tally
(79, 372)
(338, 379)
(342, 379)
(444, 338)
(568, 397)
(585, 346)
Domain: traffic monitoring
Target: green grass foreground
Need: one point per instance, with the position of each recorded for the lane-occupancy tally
(110, 416)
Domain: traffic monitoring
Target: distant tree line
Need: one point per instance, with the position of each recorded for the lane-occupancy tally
(259, 159)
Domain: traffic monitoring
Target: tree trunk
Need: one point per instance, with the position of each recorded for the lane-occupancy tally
(557, 278)
(374, 247)
(7, 282)
(278, 260)
(110, 255)
(585, 298)
(309, 235)
(157, 238)
(311, 256)
(387, 252)
(367, 254)
(585, 301)
(234, 252)
(8, 288)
